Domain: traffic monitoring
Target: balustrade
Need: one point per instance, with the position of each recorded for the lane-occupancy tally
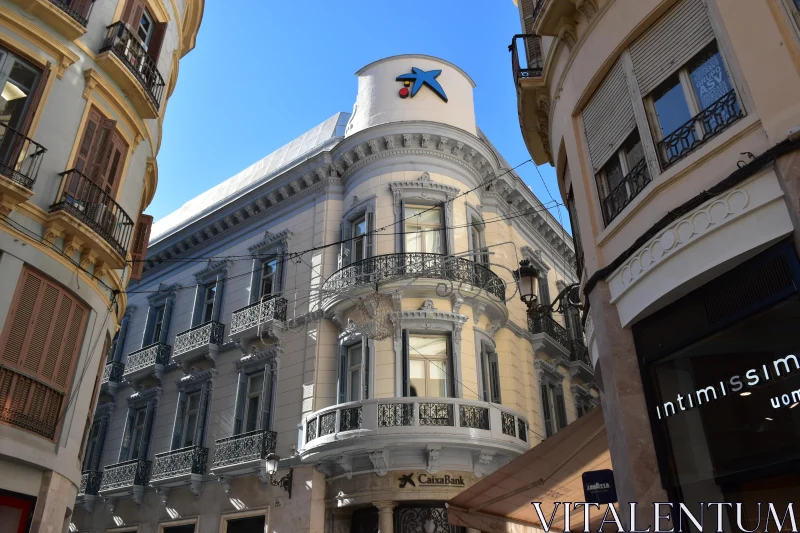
(181, 462)
(149, 356)
(198, 337)
(244, 448)
(124, 475)
(253, 315)
(122, 43)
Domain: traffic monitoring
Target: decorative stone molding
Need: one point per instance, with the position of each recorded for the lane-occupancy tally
(477, 310)
(547, 370)
(162, 293)
(196, 380)
(457, 302)
(270, 242)
(481, 463)
(104, 410)
(587, 7)
(225, 481)
(142, 397)
(380, 461)
(433, 459)
(346, 462)
(257, 360)
(568, 36)
(212, 270)
(536, 259)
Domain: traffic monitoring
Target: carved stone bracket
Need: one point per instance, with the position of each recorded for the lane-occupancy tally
(380, 461)
(481, 463)
(433, 459)
(225, 481)
(346, 462)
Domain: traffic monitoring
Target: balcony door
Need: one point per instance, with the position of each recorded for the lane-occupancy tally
(424, 229)
(22, 86)
(101, 155)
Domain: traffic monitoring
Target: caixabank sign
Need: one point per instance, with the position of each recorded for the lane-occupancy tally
(424, 479)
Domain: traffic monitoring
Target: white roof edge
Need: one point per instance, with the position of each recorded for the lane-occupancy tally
(418, 56)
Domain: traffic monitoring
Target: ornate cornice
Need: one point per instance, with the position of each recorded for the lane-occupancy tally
(536, 259)
(104, 410)
(547, 370)
(270, 240)
(196, 380)
(423, 187)
(429, 312)
(220, 267)
(163, 292)
(144, 396)
(582, 392)
(252, 362)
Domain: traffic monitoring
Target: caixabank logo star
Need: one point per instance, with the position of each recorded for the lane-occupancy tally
(417, 78)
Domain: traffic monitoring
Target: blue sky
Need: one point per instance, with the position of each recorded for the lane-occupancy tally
(265, 71)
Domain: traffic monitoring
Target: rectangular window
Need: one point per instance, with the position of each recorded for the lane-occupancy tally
(18, 80)
(354, 366)
(794, 9)
(210, 294)
(137, 433)
(253, 403)
(423, 229)
(491, 375)
(91, 446)
(145, 29)
(101, 158)
(360, 239)
(623, 177)
(429, 365)
(547, 410)
(692, 106)
(191, 419)
(158, 324)
(477, 241)
(269, 281)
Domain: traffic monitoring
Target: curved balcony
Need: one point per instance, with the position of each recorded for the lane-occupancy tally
(61, 15)
(149, 361)
(20, 159)
(131, 67)
(408, 271)
(198, 342)
(82, 213)
(413, 423)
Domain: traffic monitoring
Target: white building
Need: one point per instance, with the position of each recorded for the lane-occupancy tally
(244, 336)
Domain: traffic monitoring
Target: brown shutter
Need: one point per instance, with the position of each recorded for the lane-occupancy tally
(141, 236)
(83, 7)
(87, 142)
(36, 100)
(43, 331)
(132, 15)
(100, 154)
(157, 40)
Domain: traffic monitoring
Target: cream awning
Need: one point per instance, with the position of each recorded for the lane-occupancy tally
(547, 473)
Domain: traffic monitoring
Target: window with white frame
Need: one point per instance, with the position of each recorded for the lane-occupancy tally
(269, 281)
(146, 27)
(622, 177)
(353, 371)
(554, 409)
(209, 297)
(490, 370)
(191, 418)
(423, 229)
(429, 365)
(158, 325)
(359, 245)
(477, 242)
(253, 402)
(692, 105)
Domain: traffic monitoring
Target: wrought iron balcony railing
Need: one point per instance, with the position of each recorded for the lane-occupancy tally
(90, 483)
(113, 372)
(66, 8)
(700, 129)
(181, 462)
(121, 41)
(254, 314)
(197, 337)
(630, 186)
(90, 204)
(382, 268)
(123, 475)
(544, 323)
(20, 156)
(537, 7)
(29, 404)
(579, 352)
(155, 354)
(243, 448)
(526, 57)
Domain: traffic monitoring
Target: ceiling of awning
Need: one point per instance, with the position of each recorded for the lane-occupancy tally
(549, 472)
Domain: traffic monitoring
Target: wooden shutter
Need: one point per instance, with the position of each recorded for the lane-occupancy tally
(36, 101)
(608, 117)
(43, 331)
(132, 15)
(157, 41)
(88, 140)
(141, 237)
(83, 7)
(672, 41)
(113, 162)
(100, 154)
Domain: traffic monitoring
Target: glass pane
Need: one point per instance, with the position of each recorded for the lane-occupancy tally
(671, 106)
(438, 381)
(709, 77)
(140, 418)
(424, 215)
(137, 441)
(633, 150)
(417, 378)
(355, 385)
(354, 354)
(433, 242)
(613, 172)
(191, 427)
(256, 384)
(428, 346)
(208, 312)
(359, 227)
(194, 402)
(251, 422)
(413, 238)
(211, 290)
(358, 249)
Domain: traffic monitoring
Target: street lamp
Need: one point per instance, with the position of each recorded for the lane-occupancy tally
(528, 281)
(271, 466)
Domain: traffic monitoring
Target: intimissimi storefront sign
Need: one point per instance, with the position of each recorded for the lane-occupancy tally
(721, 373)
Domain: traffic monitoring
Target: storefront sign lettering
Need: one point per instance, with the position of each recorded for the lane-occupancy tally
(735, 384)
(423, 480)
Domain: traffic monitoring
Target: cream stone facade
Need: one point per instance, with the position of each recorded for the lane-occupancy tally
(258, 343)
(80, 127)
(673, 128)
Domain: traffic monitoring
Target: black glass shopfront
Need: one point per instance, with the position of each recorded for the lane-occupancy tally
(423, 517)
(721, 369)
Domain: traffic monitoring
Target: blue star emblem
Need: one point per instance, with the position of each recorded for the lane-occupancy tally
(420, 77)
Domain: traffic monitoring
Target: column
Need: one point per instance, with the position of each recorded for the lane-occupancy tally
(56, 494)
(385, 516)
(636, 471)
(342, 519)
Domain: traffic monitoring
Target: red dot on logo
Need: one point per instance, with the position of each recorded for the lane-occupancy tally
(403, 93)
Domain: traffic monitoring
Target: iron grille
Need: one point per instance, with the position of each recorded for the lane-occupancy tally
(327, 424)
(243, 448)
(311, 430)
(113, 372)
(523, 430)
(508, 424)
(251, 316)
(155, 354)
(90, 204)
(127, 474)
(436, 414)
(395, 414)
(388, 267)
(471, 416)
(532, 64)
(90, 483)
(579, 352)
(414, 519)
(20, 156)
(197, 337)
(184, 461)
(630, 186)
(544, 323)
(127, 48)
(700, 129)
(350, 419)
(29, 404)
(66, 8)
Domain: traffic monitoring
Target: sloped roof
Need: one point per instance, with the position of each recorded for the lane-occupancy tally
(256, 174)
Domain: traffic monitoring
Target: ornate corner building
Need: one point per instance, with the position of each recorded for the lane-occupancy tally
(347, 304)
(674, 129)
(85, 85)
